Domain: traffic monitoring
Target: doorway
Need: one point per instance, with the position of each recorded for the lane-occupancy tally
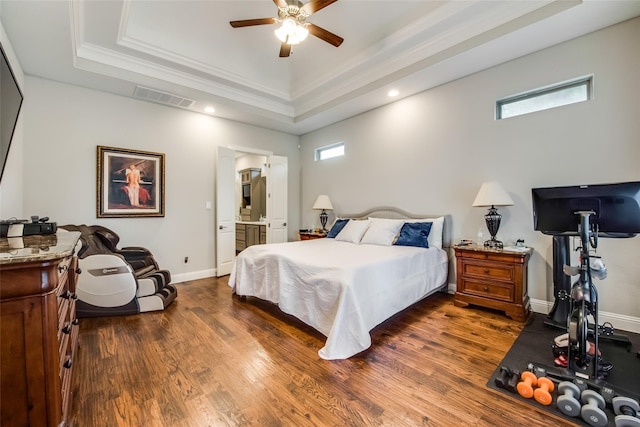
(229, 199)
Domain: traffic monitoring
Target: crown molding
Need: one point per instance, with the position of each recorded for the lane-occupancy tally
(107, 62)
(127, 41)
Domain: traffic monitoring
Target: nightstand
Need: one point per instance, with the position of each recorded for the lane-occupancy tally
(310, 235)
(493, 278)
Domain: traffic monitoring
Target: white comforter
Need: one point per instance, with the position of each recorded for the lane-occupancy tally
(341, 289)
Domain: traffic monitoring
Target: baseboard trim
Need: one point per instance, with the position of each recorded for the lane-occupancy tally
(451, 288)
(193, 275)
(619, 321)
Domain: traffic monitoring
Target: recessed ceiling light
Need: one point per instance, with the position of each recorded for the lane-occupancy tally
(393, 93)
(209, 110)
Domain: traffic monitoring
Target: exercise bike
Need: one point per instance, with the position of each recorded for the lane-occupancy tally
(582, 352)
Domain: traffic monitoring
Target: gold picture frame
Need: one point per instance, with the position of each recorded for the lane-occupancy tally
(130, 183)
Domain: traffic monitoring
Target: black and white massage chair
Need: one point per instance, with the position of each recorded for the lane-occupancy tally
(117, 281)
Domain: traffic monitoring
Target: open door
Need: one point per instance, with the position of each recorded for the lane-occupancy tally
(277, 200)
(225, 211)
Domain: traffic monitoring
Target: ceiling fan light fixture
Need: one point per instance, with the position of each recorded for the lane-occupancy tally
(281, 34)
(286, 30)
(300, 34)
(291, 32)
(294, 28)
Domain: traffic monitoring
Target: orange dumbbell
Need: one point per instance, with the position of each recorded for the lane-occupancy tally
(543, 393)
(525, 387)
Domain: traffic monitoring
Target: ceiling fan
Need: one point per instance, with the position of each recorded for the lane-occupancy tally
(295, 28)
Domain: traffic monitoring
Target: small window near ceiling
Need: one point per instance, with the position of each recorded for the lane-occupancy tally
(329, 151)
(545, 98)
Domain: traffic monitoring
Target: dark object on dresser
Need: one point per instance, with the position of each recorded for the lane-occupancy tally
(20, 228)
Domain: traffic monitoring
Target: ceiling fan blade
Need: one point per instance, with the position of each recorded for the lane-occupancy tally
(250, 22)
(315, 5)
(325, 35)
(281, 3)
(285, 50)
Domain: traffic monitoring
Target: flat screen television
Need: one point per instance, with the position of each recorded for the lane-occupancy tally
(616, 207)
(10, 104)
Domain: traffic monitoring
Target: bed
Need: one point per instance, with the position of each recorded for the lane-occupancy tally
(345, 286)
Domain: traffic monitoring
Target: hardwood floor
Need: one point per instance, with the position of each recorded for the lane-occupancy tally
(213, 359)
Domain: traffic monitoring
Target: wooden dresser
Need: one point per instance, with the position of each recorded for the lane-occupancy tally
(493, 278)
(38, 328)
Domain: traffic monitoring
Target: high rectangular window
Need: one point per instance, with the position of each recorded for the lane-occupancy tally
(545, 98)
(329, 151)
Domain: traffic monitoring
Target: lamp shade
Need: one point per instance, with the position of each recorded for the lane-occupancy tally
(492, 194)
(323, 202)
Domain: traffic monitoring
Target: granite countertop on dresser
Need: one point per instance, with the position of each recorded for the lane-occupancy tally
(508, 249)
(38, 248)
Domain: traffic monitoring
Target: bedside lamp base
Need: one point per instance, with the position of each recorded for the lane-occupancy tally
(323, 220)
(493, 244)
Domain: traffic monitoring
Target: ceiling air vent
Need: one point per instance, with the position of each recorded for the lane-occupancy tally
(153, 95)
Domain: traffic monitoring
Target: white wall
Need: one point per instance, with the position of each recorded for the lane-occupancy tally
(11, 190)
(430, 153)
(63, 124)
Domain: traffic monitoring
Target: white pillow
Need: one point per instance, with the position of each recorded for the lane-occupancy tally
(382, 231)
(435, 235)
(353, 231)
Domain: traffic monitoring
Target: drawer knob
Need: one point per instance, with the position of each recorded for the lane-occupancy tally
(486, 289)
(486, 271)
(62, 268)
(78, 270)
(67, 328)
(67, 364)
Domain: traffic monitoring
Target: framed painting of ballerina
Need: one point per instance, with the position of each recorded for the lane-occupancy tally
(130, 183)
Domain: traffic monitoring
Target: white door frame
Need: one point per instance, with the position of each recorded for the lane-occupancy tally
(225, 229)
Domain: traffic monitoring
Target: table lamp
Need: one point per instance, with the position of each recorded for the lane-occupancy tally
(492, 194)
(323, 202)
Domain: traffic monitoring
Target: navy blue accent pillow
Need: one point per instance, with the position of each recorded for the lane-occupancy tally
(337, 227)
(414, 234)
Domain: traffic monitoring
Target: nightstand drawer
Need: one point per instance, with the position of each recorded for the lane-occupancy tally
(488, 270)
(489, 290)
(490, 255)
(311, 236)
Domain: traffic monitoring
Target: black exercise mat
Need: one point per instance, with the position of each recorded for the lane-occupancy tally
(534, 345)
